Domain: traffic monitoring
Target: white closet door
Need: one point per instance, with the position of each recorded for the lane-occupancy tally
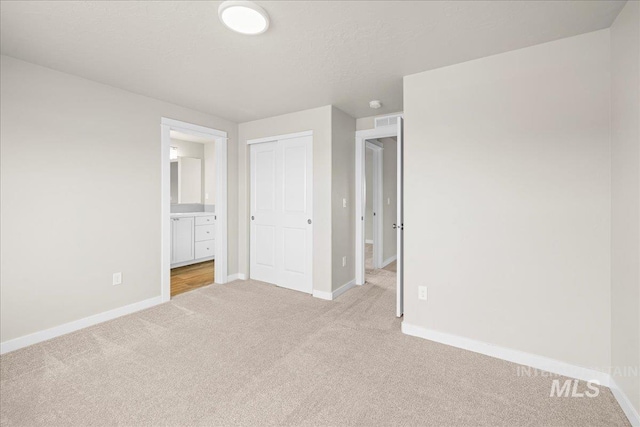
(265, 211)
(297, 205)
(281, 213)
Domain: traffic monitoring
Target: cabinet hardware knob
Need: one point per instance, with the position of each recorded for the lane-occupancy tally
(308, 221)
(252, 217)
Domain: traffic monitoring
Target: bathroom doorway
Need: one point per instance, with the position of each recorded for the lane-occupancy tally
(194, 207)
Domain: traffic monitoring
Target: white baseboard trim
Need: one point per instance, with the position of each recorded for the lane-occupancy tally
(344, 288)
(388, 261)
(527, 359)
(369, 242)
(516, 356)
(330, 296)
(322, 295)
(237, 276)
(625, 403)
(75, 325)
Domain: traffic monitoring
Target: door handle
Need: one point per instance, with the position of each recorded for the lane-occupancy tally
(395, 226)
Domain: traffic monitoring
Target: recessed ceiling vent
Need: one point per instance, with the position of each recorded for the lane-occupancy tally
(387, 120)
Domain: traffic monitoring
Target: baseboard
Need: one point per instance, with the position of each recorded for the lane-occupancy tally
(330, 296)
(237, 276)
(75, 325)
(344, 288)
(388, 261)
(369, 242)
(322, 295)
(624, 402)
(516, 356)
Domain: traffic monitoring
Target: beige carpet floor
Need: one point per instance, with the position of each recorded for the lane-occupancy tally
(248, 353)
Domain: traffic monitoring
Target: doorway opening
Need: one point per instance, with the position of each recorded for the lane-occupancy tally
(379, 212)
(194, 207)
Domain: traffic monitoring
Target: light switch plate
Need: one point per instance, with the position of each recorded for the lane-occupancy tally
(344, 261)
(117, 279)
(344, 203)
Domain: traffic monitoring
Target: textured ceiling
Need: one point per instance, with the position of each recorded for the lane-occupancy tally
(315, 53)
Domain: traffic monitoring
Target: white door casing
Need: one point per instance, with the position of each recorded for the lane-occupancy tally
(281, 232)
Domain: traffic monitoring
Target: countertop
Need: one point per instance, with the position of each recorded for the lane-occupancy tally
(187, 214)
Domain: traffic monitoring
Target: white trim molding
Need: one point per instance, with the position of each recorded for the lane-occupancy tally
(625, 403)
(237, 276)
(528, 359)
(76, 325)
(330, 296)
(388, 261)
(510, 355)
(280, 137)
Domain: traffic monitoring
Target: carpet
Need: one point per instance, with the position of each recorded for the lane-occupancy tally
(249, 353)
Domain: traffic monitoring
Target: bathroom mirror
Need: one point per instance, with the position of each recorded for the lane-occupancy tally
(186, 180)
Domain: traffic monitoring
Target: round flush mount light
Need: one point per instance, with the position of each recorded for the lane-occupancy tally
(375, 104)
(244, 17)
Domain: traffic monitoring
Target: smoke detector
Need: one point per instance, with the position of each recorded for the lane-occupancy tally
(375, 104)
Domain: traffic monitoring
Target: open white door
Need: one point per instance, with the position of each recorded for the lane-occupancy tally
(400, 221)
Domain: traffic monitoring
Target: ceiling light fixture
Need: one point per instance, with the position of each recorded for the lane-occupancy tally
(243, 17)
(375, 104)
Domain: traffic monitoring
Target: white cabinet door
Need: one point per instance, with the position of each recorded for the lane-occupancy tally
(281, 213)
(182, 239)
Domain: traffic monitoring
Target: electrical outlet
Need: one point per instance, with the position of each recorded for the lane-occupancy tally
(117, 279)
(422, 293)
(344, 203)
(388, 200)
(344, 261)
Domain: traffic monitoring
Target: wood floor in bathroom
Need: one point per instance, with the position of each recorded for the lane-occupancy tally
(190, 277)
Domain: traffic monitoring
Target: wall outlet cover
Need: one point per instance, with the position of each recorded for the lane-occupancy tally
(117, 279)
(422, 293)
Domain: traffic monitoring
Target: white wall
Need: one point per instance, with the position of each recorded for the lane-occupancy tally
(507, 200)
(625, 179)
(209, 173)
(319, 121)
(343, 186)
(72, 203)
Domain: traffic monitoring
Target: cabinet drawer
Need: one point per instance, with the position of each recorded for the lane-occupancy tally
(205, 249)
(205, 220)
(205, 232)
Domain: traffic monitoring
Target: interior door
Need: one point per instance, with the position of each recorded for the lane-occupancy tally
(400, 221)
(297, 203)
(281, 213)
(265, 215)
